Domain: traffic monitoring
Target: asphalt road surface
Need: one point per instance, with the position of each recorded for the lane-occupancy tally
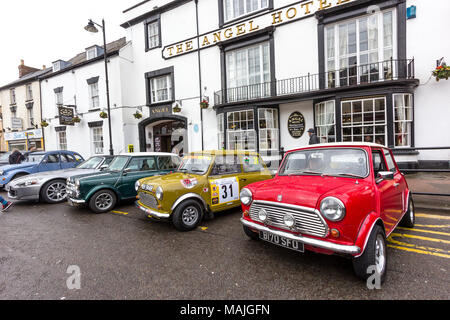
(126, 255)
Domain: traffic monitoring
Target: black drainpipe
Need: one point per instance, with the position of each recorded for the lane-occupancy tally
(199, 68)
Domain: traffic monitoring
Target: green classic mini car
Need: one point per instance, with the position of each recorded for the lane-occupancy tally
(102, 190)
(206, 182)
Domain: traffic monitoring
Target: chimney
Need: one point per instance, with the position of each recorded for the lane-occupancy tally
(24, 70)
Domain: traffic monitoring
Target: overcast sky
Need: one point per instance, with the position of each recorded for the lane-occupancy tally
(43, 31)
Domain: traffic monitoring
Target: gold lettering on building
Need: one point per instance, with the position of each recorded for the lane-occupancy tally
(228, 33)
(291, 13)
(170, 51)
(179, 48)
(323, 4)
(240, 29)
(217, 36)
(342, 1)
(251, 26)
(277, 17)
(205, 41)
(189, 46)
(306, 6)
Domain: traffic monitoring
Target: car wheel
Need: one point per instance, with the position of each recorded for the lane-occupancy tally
(103, 201)
(375, 255)
(250, 233)
(54, 191)
(409, 218)
(187, 215)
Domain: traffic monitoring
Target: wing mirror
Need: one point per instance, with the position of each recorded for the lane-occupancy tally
(126, 171)
(104, 167)
(385, 175)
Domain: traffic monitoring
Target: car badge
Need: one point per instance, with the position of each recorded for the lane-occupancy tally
(280, 198)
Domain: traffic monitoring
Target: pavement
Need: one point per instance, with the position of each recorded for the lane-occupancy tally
(430, 183)
(126, 255)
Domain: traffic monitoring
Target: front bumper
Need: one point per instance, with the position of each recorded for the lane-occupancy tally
(338, 248)
(75, 202)
(23, 192)
(153, 213)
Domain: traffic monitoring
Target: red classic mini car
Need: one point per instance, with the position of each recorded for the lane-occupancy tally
(343, 198)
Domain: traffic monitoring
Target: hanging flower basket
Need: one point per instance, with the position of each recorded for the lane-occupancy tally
(137, 115)
(176, 109)
(204, 104)
(76, 119)
(44, 124)
(103, 115)
(442, 72)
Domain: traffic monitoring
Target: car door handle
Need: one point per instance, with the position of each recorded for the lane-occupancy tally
(243, 179)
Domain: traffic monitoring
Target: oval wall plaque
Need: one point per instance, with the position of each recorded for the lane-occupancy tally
(296, 125)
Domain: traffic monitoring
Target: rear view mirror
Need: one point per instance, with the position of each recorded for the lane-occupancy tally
(385, 175)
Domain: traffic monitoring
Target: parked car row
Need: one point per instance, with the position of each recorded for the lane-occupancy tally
(340, 198)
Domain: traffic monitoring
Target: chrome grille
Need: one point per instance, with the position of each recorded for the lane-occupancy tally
(148, 200)
(307, 220)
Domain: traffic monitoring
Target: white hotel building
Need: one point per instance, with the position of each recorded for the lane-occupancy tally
(354, 70)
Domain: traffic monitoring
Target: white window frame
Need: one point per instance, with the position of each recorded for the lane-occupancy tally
(408, 123)
(275, 131)
(56, 66)
(91, 53)
(12, 95)
(30, 117)
(62, 140)
(318, 126)
(362, 125)
(153, 38)
(154, 89)
(97, 146)
(381, 47)
(261, 4)
(59, 98)
(241, 132)
(221, 131)
(94, 97)
(29, 89)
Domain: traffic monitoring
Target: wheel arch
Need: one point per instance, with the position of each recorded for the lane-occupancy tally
(372, 219)
(99, 188)
(48, 181)
(190, 196)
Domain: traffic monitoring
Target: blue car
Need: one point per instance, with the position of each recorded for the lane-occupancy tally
(40, 162)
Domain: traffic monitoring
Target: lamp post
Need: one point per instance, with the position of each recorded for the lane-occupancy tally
(91, 27)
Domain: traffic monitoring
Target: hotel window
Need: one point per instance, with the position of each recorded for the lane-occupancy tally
(268, 130)
(248, 72)
(161, 89)
(364, 120)
(403, 118)
(30, 118)
(360, 50)
(62, 140)
(236, 8)
(220, 131)
(241, 134)
(325, 121)
(29, 92)
(97, 140)
(94, 101)
(153, 35)
(91, 53)
(12, 94)
(59, 99)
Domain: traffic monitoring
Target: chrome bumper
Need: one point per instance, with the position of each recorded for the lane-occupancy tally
(308, 241)
(75, 201)
(153, 213)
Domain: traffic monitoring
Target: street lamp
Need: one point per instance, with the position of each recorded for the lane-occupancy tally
(91, 27)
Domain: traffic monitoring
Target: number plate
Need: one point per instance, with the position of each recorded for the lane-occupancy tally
(282, 241)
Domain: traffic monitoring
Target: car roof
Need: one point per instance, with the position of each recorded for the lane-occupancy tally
(342, 144)
(226, 152)
(147, 154)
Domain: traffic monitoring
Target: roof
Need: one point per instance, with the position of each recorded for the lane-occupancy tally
(80, 60)
(342, 144)
(32, 76)
(147, 154)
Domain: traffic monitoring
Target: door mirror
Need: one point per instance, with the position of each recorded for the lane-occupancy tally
(385, 175)
(126, 171)
(104, 167)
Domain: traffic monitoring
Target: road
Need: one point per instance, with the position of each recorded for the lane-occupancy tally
(126, 255)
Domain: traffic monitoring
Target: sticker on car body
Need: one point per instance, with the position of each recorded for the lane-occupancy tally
(224, 190)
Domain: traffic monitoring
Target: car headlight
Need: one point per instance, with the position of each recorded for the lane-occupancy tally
(333, 209)
(137, 185)
(1, 172)
(159, 193)
(246, 196)
(30, 182)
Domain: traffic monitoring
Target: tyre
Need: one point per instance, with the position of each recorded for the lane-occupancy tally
(54, 191)
(374, 255)
(103, 201)
(187, 215)
(250, 233)
(409, 218)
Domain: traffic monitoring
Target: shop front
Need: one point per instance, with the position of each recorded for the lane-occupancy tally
(25, 140)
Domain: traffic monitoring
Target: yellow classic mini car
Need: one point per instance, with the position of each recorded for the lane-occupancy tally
(206, 182)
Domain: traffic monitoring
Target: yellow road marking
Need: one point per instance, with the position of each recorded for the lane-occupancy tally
(432, 216)
(410, 236)
(420, 251)
(425, 231)
(120, 212)
(433, 226)
(203, 228)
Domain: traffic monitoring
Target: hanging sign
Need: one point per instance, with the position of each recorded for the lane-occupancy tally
(296, 125)
(66, 116)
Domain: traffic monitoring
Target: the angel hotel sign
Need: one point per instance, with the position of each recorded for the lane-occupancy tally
(276, 17)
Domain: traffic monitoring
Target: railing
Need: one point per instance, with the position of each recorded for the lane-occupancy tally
(387, 70)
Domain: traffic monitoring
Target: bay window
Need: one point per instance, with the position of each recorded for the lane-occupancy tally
(248, 72)
(220, 131)
(268, 130)
(241, 133)
(403, 117)
(325, 121)
(234, 9)
(360, 50)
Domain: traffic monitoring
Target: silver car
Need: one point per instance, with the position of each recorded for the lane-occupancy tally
(50, 186)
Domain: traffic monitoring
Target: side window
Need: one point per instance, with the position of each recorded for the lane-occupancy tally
(52, 158)
(142, 164)
(226, 165)
(390, 161)
(252, 163)
(168, 163)
(378, 162)
(78, 158)
(63, 158)
(70, 158)
(107, 161)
